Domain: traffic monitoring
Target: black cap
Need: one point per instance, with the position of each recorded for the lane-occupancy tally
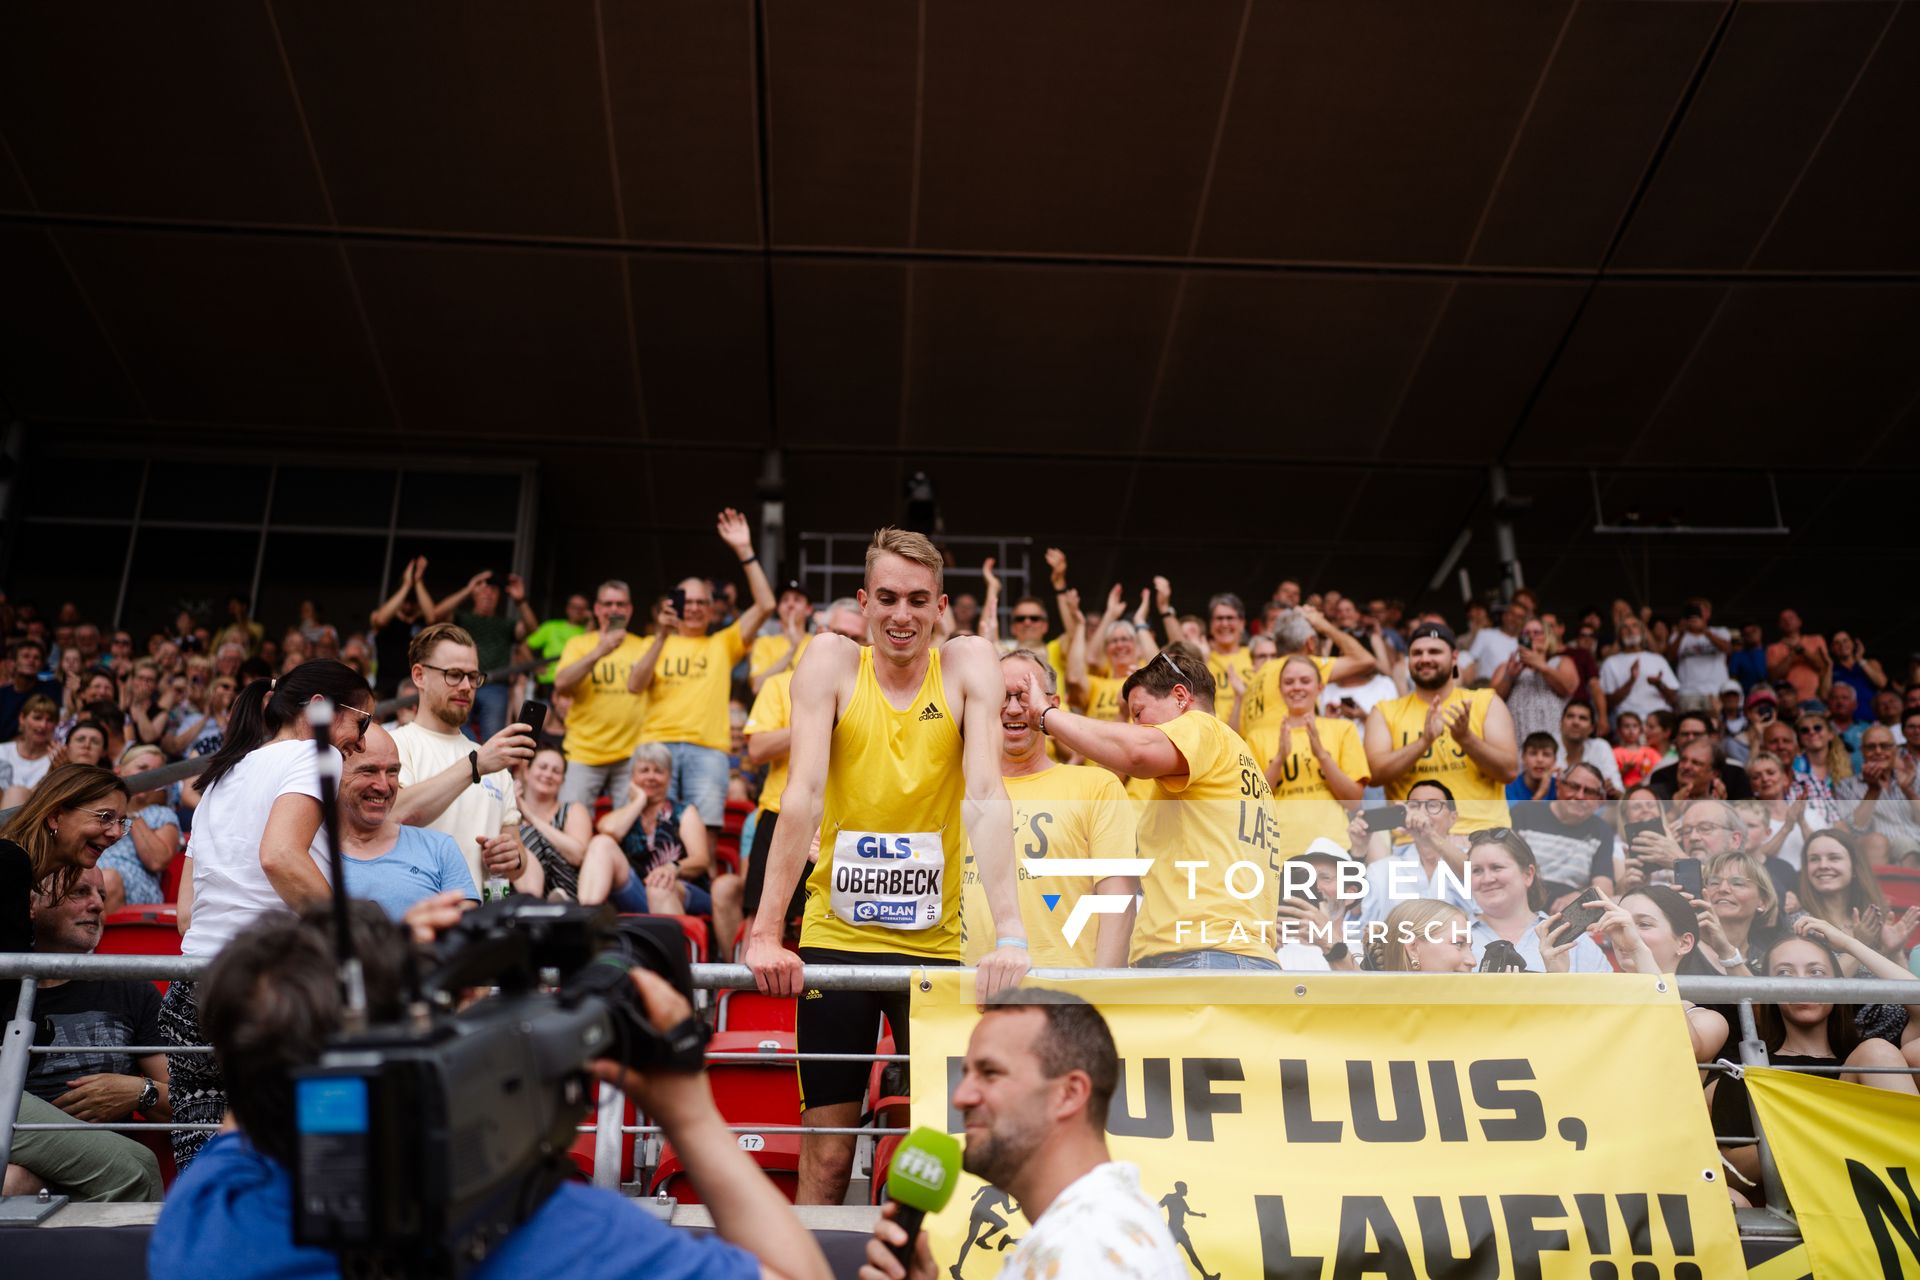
(793, 584)
(1436, 630)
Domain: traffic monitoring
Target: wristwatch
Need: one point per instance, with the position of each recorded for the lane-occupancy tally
(149, 1095)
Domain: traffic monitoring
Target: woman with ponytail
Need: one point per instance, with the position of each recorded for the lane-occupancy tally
(257, 847)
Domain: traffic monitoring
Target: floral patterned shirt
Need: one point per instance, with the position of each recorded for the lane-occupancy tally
(1101, 1225)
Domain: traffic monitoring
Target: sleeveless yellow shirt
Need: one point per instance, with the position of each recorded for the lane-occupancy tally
(892, 846)
(1482, 800)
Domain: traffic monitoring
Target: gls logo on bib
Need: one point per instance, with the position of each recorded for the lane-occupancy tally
(889, 880)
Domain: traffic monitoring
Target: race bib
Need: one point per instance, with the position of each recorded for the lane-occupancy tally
(888, 880)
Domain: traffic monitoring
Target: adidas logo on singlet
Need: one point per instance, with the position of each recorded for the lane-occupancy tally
(931, 713)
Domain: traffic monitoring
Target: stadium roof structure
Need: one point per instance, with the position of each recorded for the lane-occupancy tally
(1229, 289)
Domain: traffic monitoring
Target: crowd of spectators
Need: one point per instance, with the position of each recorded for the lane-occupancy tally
(1712, 801)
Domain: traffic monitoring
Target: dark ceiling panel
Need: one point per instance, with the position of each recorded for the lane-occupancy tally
(425, 117)
(233, 328)
(838, 336)
(1088, 133)
(681, 78)
(1032, 357)
(1629, 344)
(1615, 82)
(498, 340)
(1855, 208)
(1372, 130)
(175, 111)
(700, 330)
(1173, 501)
(1794, 373)
(1483, 362)
(1289, 365)
(1772, 88)
(978, 495)
(841, 97)
(54, 361)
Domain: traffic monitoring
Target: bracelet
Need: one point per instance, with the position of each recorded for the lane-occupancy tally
(1168, 613)
(1010, 942)
(1041, 724)
(750, 559)
(473, 763)
(1733, 961)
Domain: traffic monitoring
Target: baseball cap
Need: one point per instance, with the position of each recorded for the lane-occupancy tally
(1437, 630)
(1327, 847)
(1761, 693)
(793, 585)
(1730, 686)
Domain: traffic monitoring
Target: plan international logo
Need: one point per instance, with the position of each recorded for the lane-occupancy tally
(1091, 904)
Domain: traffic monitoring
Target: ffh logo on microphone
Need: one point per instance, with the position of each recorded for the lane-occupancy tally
(919, 1167)
(1087, 906)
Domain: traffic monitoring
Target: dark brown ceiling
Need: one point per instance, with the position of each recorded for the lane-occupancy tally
(1231, 288)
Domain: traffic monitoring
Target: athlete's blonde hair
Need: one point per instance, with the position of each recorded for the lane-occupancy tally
(908, 545)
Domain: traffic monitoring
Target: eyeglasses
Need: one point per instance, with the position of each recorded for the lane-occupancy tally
(366, 717)
(113, 821)
(1027, 617)
(1808, 730)
(1427, 806)
(1700, 828)
(457, 678)
(1486, 835)
(1729, 882)
(1580, 791)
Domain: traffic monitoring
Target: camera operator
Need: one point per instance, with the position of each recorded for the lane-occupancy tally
(270, 1004)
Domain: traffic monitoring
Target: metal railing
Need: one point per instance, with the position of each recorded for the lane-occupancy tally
(609, 1129)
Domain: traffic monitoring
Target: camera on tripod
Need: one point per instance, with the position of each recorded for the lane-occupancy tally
(423, 1143)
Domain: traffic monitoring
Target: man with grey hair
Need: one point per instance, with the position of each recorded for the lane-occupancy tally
(603, 722)
(1885, 794)
(687, 676)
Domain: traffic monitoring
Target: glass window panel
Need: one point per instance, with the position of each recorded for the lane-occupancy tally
(215, 492)
(477, 502)
(191, 569)
(339, 572)
(333, 496)
(57, 562)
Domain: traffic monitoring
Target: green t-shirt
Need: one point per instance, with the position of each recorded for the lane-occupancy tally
(549, 640)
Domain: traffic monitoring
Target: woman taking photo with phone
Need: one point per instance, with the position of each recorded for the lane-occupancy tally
(1654, 930)
(258, 848)
(1512, 902)
(1741, 915)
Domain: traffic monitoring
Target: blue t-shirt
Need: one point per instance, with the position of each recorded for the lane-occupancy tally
(1519, 791)
(231, 1215)
(420, 864)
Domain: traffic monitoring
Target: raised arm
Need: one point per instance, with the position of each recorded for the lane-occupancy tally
(737, 534)
(381, 616)
(1353, 658)
(990, 604)
(1136, 750)
(985, 810)
(640, 675)
(524, 621)
(1163, 606)
(451, 605)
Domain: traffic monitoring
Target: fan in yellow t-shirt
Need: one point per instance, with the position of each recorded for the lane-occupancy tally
(771, 655)
(1443, 733)
(1212, 892)
(1293, 632)
(1228, 661)
(1314, 763)
(1063, 814)
(1098, 695)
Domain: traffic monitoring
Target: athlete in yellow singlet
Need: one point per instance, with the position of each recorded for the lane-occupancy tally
(894, 758)
(1443, 733)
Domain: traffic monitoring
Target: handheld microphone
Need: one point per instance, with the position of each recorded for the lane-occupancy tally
(922, 1178)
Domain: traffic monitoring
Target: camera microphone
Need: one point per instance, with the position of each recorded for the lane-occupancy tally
(922, 1178)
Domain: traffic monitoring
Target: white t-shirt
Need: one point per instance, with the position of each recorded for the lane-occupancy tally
(1101, 1225)
(1703, 668)
(1378, 688)
(1491, 648)
(1597, 752)
(477, 811)
(230, 890)
(26, 773)
(1643, 697)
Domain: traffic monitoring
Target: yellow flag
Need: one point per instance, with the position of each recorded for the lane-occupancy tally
(1849, 1157)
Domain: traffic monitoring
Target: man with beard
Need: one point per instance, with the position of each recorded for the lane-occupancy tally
(1033, 1093)
(449, 785)
(1442, 733)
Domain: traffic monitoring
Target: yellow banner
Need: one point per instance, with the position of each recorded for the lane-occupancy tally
(1850, 1159)
(1479, 1125)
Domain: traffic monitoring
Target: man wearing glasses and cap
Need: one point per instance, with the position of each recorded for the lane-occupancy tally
(447, 784)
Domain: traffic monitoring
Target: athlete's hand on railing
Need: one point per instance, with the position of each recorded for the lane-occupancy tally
(776, 970)
(1002, 968)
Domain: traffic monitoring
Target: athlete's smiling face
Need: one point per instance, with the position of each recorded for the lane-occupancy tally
(902, 602)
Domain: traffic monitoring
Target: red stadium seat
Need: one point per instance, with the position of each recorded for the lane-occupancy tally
(882, 1161)
(754, 1092)
(697, 930)
(170, 878)
(1902, 887)
(751, 1011)
(734, 821)
(150, 929)
(726, 854)
(777, 1154)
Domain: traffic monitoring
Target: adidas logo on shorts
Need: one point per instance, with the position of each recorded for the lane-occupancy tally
(931, 713)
